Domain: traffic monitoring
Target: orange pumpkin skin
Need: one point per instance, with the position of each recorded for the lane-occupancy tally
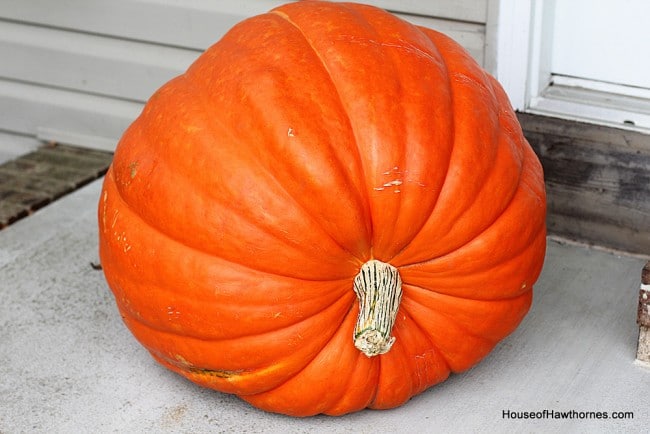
(243, 201)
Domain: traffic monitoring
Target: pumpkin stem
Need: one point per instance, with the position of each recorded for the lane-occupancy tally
(379, 289)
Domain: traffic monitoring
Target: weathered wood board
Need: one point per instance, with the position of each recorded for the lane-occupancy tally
(597, 179)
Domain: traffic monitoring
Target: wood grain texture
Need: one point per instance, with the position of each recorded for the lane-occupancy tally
(34, 180)
(597, 180)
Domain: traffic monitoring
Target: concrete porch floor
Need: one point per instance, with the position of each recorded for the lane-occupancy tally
(68, 364)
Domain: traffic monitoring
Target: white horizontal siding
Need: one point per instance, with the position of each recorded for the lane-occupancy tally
(88, 63)
(458, 10)
(13, 146)
(470, 35)
(64, 116)
(78, 71)
(194, 24)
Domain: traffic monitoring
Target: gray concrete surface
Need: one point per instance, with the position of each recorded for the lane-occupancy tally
(67, 364)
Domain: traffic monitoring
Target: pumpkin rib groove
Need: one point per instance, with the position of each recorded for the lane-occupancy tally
(424, 331)
(185, 366)
(165, 234)
(515, 253)
(276, 388)
(163, 164)
(428, 337)
(362, 174)
(486, 226)
(453, 320)
(349, 122)
(155, 325)
(345, 390)
(230, 260)
(511, 202)
(446, 294)
(447, 282)
(280, 186)
(442, 43)
(488, 343)
(393, 61)
(350, 389)
(452, 134)
(454, 120)
(467, 307)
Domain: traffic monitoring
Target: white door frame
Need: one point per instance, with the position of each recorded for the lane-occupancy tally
(522, 63)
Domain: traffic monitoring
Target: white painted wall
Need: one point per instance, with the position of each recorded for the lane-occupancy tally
(79, 71)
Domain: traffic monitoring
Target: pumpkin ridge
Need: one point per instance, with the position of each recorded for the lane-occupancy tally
(165, 328)
(521, 184)
(402, 162)
(485, 303)
(453, 62)
(393, 391)
(357, 155)
(521, 250)
(446, 284)
(339, 168)
(162, 232)
(290, 377)
(468, 242)
(473, 356)
(432, 345)
(515, 253)
(523, 158)
(279, 185)
(360, 261)
(446, 75)
(448, 294)
(154, 322)
(456, 323)
(189, 369)
(452, 135)
(428, 337)
(390, 57)
(372, 395)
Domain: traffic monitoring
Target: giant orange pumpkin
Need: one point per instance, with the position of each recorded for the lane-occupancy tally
(332, 209)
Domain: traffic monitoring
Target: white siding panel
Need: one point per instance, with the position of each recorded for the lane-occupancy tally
(77, 71)
(471, 36)
(60, 115)
(89, 63)
(13, 145)
(459, 10)
(194, 24)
